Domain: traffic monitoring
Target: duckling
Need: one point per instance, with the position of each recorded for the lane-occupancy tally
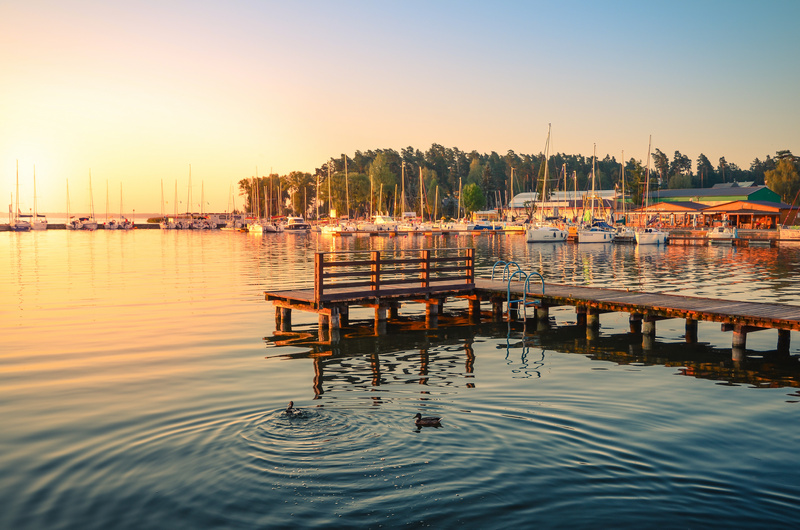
(291, 410)
(430, 421)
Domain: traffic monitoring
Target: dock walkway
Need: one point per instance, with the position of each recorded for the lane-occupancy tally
(438, 274)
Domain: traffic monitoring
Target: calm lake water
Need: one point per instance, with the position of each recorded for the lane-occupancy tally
(143, 386)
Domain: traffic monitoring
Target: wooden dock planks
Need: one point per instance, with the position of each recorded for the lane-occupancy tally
(755, 314)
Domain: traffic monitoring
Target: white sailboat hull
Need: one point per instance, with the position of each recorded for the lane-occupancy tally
(651, 237)
(595, 236)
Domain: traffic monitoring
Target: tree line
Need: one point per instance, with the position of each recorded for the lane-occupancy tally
(381, 180)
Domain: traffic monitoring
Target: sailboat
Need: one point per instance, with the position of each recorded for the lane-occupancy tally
(186, 222)
(112, 224)
(255, 225)
(167, 223)
(545, 232)
(623, 233)
(82, 223)
(18, 224)
(71, 224)
(39, 221)
(124, 222)
(595, 231)
(649, 235)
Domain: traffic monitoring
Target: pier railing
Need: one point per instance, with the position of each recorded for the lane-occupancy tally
(338, 274)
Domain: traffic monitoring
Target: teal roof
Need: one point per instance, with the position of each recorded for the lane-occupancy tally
(754, 193)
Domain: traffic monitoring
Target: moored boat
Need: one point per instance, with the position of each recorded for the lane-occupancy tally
(545, 234)
(651, 236)
(599, 232)
(722, 234)
(296, 224)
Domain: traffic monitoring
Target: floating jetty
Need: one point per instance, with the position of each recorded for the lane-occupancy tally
(388, 279)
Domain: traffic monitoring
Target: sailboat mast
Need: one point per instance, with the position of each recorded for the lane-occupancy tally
(511, 204)
(35, 210)
(647, 178)
(330, 197)
(594, 194)
(91, 195)
(622, 177)
(421, 196)
(458, 213)
(16, 203)
(544, 180)
(189, 193)
(402, 188)
(346, 188)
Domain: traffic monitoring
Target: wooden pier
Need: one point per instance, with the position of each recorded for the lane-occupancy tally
(432, 276)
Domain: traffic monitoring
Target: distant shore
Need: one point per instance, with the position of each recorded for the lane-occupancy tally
(61, 226)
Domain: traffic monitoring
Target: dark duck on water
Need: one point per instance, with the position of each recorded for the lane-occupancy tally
(429, 421)
(290, 410)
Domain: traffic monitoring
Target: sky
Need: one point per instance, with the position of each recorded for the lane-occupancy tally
(136, 93)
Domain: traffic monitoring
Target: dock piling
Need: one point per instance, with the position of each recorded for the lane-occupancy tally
(691, 330)
(286, 319)
(635, 322)
(784, 340)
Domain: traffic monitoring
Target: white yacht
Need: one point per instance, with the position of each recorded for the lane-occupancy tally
(296, 224)
(722, 234)
(545, 234)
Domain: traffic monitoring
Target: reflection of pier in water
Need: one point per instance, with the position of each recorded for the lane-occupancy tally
(411, 354)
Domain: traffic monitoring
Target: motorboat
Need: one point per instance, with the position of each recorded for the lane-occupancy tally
(545, 234)
(296, 224)
(722, 234)
(624, 234)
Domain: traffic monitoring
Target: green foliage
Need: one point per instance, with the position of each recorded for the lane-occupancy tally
(475, 175)
(473, 199)
(635, 181)
(784, 179)
(383, 181)
(661, 163)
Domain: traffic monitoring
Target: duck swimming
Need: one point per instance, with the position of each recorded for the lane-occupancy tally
(429, 421)
(291, 410)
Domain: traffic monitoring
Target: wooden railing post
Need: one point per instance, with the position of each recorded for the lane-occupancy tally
(426, 269)
(319, 264)
(375, 269)
(470, 265)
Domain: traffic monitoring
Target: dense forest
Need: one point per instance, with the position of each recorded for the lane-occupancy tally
(488, 181)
